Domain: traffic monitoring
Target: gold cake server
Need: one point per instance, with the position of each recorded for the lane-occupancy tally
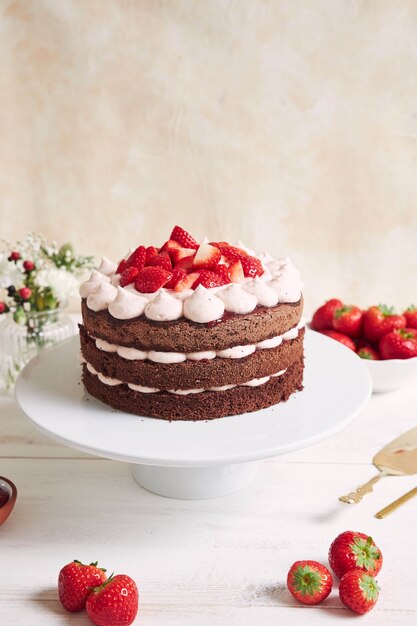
(398, 458)
(394, 505)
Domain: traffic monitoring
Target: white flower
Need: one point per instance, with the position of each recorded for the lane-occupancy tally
(63, 284)
(10, 273)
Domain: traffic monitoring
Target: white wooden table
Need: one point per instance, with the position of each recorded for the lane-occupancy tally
(217, 562)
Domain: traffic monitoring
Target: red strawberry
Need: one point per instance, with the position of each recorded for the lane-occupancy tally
(25, 293)
(208, 280)
(358, 591)
(114, 603)
(232, 254)
(352, 550)
(380, 320)
(186, 263)
(28, 266)
(177, 275)
(2, 307)
(236, 272)
(399, 344)
(75, 581)
(347, 341)
(187, 282)
(309, 582)
(224, 273)
(177, 254)
(182, 237)
(207, 257)
(170, 245)
(151, 251)
(323, 317)
(411, 316)
(121, 267)
(162, 259)
(128, 276)
(151, 279)
(368, 352)
(251, 266)
(348, 320)
(137, 258)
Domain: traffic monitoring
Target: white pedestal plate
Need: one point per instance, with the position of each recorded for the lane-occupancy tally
(193, 460)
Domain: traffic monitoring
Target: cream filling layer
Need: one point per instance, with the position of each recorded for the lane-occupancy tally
(112, 382)
(236, 352)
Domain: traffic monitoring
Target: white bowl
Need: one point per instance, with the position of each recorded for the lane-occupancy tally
(390, 374)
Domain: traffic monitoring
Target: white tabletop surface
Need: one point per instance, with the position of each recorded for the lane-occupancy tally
(212, 562)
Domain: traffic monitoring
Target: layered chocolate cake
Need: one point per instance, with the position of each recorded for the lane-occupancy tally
(192, 331)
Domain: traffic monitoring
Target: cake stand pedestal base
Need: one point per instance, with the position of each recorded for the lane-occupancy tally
(194, 483)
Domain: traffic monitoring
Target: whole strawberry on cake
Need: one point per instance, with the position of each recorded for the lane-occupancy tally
(192, 331)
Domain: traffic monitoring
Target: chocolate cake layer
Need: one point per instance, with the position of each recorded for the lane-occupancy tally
(193, 374)
(203, 406)
(185, 336)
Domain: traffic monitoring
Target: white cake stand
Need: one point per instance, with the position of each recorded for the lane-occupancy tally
(193, 460)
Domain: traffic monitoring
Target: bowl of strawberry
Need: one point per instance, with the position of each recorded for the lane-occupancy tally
(387, 341)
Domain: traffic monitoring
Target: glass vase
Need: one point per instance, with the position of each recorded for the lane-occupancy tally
(19, 343)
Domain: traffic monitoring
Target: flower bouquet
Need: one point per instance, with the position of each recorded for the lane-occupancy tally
(36, 281)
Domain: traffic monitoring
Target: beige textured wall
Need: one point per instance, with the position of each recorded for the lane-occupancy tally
(291, 124)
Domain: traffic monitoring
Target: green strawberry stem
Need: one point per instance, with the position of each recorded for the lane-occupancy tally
(307, 581)
(366, 553)
(386, 310)
(369, 587)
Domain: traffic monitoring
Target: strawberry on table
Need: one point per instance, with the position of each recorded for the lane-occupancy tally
(358, 591)
(323, 317)
(368, 352)
(344, 339)
(380, 320)
(348, 320)
(310, 582)
(410, 315)
(114, 603)
(399, 344)
(75, 581)
(151, 279)
(183, 238)
(352, 550)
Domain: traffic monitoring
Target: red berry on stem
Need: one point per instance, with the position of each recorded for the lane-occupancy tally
(25, 293)
(380, 320)
(310, 582)
(114, 603)
(28, 266)
(411, 316)
(75, 581)
(399, 344)
(358, 591)
(348, 320)
(353, 550)
(14, 256)
(323, 317)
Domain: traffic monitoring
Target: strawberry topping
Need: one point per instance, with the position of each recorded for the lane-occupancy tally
(183, 238)
(128, 276)
(207, 257)
(161, 260)
(137, 258)
(151, 279)
(209, 280)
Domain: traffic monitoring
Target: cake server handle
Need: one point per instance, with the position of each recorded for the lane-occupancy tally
(394, 505)
(356, 496)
